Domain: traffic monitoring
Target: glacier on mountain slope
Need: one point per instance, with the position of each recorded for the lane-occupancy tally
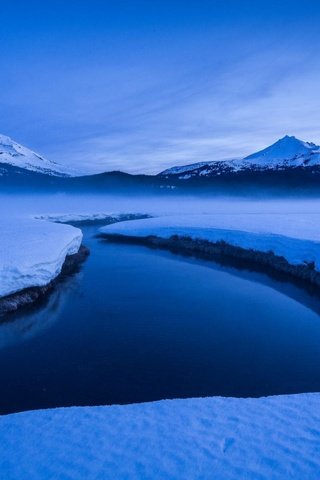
(288, 152)
(16, 155)
(206, 438)
(294, 237)
(32, 253)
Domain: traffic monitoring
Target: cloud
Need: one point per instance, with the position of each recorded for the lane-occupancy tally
(142, 99)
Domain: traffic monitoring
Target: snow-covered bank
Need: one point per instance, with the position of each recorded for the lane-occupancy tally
(90, 218)
(295, 239)
(77, 217)
(32, 253)
(220, 438)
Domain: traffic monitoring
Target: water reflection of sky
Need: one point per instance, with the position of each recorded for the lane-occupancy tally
(138, 324)
(31, 321)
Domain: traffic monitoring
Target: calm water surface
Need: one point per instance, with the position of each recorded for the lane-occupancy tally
(137, 324)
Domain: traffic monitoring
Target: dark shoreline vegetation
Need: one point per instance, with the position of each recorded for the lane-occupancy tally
(226, 254)
(29, 296)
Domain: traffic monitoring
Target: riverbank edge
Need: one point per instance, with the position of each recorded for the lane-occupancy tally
(221, 250)
(30, 295)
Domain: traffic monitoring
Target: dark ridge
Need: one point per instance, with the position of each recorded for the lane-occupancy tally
(282, 182)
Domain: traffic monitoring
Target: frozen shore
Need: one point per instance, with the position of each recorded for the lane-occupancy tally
(29, 295)
(270, 241)
(90, 219)
(33, 254)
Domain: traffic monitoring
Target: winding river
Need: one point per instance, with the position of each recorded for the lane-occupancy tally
(137, 324)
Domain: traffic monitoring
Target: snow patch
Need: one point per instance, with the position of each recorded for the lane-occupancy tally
(222, 438)
(88, 217)
(32, 253)
(296, 237)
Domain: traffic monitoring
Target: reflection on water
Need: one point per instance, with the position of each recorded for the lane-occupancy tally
(295, 288)
(32, 320)
(138, 325)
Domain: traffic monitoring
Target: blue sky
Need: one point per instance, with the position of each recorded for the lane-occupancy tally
(142, 85)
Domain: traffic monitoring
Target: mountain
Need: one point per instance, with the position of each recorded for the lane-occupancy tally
(14, 155)
(288, 167)
(288, 153)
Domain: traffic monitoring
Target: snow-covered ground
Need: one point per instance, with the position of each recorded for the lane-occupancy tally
(208, 438)
(76, 217)
(296, 239)
(79, 218)
(33, 252)
(290, 228)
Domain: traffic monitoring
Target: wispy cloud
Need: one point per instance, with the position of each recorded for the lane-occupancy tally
(142, 100)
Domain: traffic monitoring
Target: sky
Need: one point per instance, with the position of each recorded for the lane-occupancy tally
(140, 86)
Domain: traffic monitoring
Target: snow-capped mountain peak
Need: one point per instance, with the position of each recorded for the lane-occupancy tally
(288, 152)
(286, 148)
(14, 154)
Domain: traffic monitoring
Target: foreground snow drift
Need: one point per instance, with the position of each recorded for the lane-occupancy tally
(296, 238)
(32, 253)
(220, 438)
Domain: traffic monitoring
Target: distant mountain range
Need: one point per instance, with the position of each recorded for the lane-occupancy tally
(286, 153)
(289, 163)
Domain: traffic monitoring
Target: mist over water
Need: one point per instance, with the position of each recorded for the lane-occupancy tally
(35, 204)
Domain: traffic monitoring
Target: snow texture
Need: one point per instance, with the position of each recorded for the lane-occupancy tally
(296, 238)
(32, 253)
(287, 152)
(18, 156)
(209, 438)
